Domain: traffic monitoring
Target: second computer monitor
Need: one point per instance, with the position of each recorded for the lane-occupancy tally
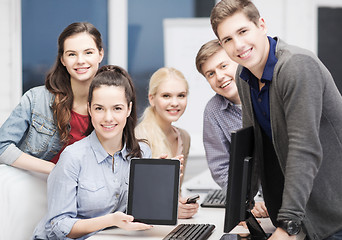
(239, 198)
(241, 150)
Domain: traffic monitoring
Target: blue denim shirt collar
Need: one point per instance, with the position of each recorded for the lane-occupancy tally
(100, 153)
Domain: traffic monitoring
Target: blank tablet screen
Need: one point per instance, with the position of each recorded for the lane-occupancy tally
(153, 191)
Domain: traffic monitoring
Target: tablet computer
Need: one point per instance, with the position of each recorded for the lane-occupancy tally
(153, 191)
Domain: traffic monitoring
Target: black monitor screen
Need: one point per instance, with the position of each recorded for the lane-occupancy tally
(241, 149)
(239, 199)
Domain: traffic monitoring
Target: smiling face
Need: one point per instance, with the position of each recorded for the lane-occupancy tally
(109, 111)
(220, 71)
(245, 42)
(170, 100)
(81, 57)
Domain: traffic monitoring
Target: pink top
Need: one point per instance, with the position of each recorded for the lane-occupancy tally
(179, 140)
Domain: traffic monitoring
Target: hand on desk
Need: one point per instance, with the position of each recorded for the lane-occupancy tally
(186, 210)
(125, 222)
(260, 210)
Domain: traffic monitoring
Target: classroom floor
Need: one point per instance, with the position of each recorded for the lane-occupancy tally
(195, 165)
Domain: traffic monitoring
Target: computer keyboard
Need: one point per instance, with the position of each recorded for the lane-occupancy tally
(197, 231)
(215, 199)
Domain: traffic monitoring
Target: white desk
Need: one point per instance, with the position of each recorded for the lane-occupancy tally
(205, 215)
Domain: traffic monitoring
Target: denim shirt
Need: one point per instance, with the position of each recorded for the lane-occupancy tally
(30, 128)
(84, 185)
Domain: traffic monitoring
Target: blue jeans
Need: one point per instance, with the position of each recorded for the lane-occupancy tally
(335, 236)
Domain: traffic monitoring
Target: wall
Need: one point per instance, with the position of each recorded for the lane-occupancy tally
(291, 20)
(10, 61)
(182, 40)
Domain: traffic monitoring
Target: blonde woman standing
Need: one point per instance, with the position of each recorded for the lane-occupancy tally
(168, 91)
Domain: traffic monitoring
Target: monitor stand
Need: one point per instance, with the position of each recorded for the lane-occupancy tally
(255, 230)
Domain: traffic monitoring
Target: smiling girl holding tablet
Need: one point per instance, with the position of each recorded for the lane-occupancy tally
(87, 190)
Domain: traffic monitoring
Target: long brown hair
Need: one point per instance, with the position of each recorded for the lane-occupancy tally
(111, 75)
(58, 78)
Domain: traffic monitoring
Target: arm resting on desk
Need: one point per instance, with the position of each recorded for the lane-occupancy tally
(119, 219)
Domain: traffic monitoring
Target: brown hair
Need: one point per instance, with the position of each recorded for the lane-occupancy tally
(58, 78)
(227, 8)
(206, 51)
(111, 75)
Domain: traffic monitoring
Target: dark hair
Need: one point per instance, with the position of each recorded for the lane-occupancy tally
(111, 75)
(58, 78)
(227, 8)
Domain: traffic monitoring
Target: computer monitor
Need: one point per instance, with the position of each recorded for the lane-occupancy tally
(239, 200)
